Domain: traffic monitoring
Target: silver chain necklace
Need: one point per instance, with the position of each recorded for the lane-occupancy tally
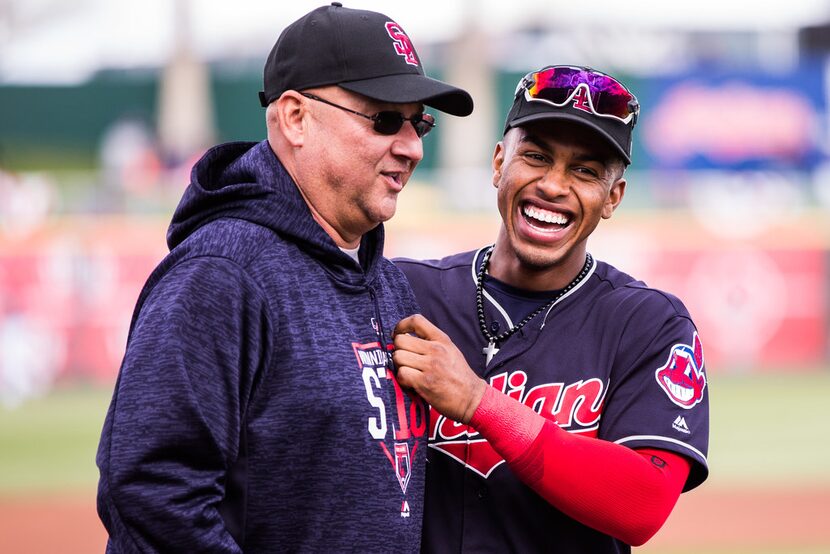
(492, 341)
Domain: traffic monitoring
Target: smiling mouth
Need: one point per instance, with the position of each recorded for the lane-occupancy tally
(544, 220)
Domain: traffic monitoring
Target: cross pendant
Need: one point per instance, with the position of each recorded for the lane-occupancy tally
(489, 351)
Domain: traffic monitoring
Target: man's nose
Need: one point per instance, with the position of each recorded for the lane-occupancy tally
(554, 183)
(408, 144)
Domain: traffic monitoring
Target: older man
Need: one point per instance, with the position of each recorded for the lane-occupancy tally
(256, 409)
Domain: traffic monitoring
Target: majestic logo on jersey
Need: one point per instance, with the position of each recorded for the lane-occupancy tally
(403, 46)
(679, 424)
(394, 425)
(682, 378)
(576, 407)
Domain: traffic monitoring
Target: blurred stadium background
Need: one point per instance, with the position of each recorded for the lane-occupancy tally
(104, 107)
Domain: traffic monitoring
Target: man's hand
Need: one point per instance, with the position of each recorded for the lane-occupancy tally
(430, 364)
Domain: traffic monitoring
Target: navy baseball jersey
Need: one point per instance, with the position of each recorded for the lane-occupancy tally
(612, 359)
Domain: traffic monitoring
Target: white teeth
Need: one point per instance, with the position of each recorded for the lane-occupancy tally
(683, 393)
(544, 215)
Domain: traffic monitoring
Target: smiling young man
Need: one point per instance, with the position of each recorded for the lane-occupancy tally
(569, 400)
(256, 409)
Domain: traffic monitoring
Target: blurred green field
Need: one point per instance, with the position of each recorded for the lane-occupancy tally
(48, 444)
(771, 430)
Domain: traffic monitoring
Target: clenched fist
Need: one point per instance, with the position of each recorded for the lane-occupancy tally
(430, 364)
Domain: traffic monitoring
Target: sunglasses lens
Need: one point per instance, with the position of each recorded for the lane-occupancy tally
(388, 123)
(610, 98)
(423, 123)
(557, 85)
(554, 84)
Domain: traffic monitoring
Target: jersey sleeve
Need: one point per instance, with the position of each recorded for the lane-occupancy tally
(403, 289)
(658, 395)
(421, 282)
(174, 424)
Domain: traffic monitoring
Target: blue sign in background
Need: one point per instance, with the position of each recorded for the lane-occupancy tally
(711, 119)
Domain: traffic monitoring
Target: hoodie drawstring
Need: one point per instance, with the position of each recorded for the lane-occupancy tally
(381, 333)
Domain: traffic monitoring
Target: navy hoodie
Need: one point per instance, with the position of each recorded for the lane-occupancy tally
(256, 408)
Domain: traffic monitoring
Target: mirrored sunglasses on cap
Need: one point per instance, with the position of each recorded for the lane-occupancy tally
(587, 89)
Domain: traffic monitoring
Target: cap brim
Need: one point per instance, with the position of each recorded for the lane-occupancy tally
(576, 119)
(407, 88)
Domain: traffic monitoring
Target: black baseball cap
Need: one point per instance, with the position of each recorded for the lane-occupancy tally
(361, 51)
(554, 98)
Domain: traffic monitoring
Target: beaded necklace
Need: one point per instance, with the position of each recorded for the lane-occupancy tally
(490, 350)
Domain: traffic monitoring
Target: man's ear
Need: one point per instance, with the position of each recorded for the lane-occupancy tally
(615, 196)
(288, 114)
(498, 161)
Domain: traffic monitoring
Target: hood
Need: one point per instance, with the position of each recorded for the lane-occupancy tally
(245, 180)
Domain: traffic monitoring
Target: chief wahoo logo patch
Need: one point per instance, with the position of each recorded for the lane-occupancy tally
(682, 378)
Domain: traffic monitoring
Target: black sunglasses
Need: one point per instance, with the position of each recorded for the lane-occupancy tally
(387, 122)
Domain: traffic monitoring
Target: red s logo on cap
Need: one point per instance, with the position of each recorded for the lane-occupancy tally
(403, 46)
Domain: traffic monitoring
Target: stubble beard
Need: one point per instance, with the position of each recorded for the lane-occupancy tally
(535, 263)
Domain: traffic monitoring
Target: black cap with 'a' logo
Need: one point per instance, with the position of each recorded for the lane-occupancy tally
(574, 106)
(361, 51)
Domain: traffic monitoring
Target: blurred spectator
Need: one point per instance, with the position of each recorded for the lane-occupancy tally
(129, 158)
(25, 201)
(27, 361)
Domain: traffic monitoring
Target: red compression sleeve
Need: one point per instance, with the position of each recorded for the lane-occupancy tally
(625, 493)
